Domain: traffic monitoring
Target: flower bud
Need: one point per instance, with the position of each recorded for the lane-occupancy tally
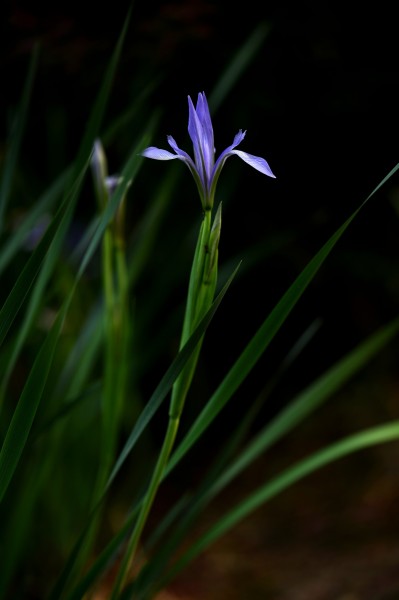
(100, 173)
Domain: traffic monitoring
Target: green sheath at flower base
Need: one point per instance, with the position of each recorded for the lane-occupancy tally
(99, 168)
(200, 297)
(206, 291)
(213, 246)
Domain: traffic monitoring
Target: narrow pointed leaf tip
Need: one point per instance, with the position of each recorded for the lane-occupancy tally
(203, 167)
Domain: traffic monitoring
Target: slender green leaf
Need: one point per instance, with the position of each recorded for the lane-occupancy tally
(21, 422)
(308, 400)
(81, 358)
(124, 119)
(26, 278)
(16, 138)
(28, 274)
(17, 530)
(168, 379)
(35, 300)
(24, 414)
(377, 435)
(97, 570)
(312, 397)
(263, 337)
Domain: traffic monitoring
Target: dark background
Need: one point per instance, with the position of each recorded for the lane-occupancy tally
(320, 102)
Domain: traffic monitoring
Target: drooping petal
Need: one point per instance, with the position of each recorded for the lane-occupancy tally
(100, 171)
(256, 162)
(158, 153)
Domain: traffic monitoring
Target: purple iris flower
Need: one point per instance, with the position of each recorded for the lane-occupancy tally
(204, 168)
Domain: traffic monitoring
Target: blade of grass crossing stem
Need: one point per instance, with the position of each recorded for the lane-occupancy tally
(296, 412)
(377, 435)
(98, 569)
(263, 337)
(15, 138)
(314, 265)
(298, 288)
(306, 402)
(167, 381)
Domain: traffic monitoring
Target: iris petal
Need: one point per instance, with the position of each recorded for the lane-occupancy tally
(207, 142)
(204, 168)
(158, 153)
(196, 135)
(182, 154)
(256, 162)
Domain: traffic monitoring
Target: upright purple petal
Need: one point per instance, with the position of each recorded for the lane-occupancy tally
(208, 143)
(182, 154)
(195, 132)
(237, 140)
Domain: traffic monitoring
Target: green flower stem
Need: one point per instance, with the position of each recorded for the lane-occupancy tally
(117, 332)
(108, 418)
(111, 344)
(115, 280)
(194, 310)
(196, 277)
(173, 425)
(201, 289)
(122, 326)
